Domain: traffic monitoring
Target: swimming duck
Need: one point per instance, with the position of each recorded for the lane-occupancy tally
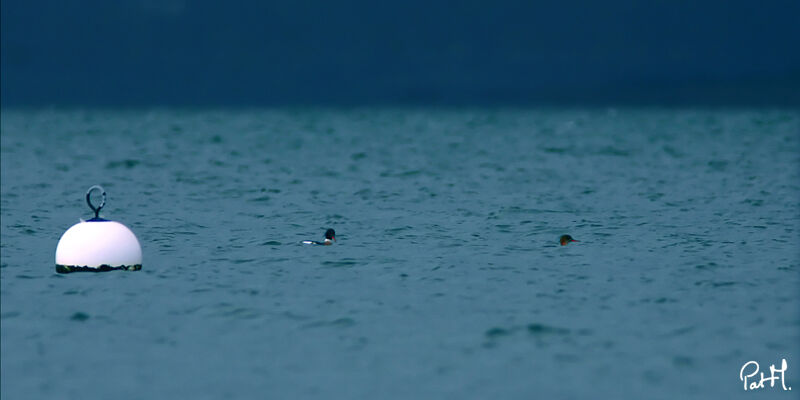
(330, 237)
(565, 239)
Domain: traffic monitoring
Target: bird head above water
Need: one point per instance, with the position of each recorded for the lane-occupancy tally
(565, 239)
(330, 234)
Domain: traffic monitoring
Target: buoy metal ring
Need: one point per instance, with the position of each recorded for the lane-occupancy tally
(89, 200)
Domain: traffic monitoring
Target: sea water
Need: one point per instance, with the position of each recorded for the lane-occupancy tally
(446, 280)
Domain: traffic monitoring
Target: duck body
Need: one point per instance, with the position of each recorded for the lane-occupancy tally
(330, 237)
(325, 242)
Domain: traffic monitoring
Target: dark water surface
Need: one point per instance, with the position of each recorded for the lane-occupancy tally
(446, 280)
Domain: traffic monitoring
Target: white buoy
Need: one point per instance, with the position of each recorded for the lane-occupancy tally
(98, 244)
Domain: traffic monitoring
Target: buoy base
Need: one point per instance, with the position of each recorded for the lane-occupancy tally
(65, 269)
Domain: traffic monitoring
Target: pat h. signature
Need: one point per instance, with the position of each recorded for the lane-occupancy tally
(750, 369)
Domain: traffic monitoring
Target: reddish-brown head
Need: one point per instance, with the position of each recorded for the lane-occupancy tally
(565, 239)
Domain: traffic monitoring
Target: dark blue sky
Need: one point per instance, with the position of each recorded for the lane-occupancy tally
(244, 53)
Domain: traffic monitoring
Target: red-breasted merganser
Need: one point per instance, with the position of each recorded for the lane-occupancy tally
(330, 237)
(565, 239)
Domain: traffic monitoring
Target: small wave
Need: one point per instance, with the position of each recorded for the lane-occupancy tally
(337, 323)
(613, 151)
(347, 262)
(127, 164)
(79, 316)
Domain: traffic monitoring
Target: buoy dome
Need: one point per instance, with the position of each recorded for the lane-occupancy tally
(98, 245)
